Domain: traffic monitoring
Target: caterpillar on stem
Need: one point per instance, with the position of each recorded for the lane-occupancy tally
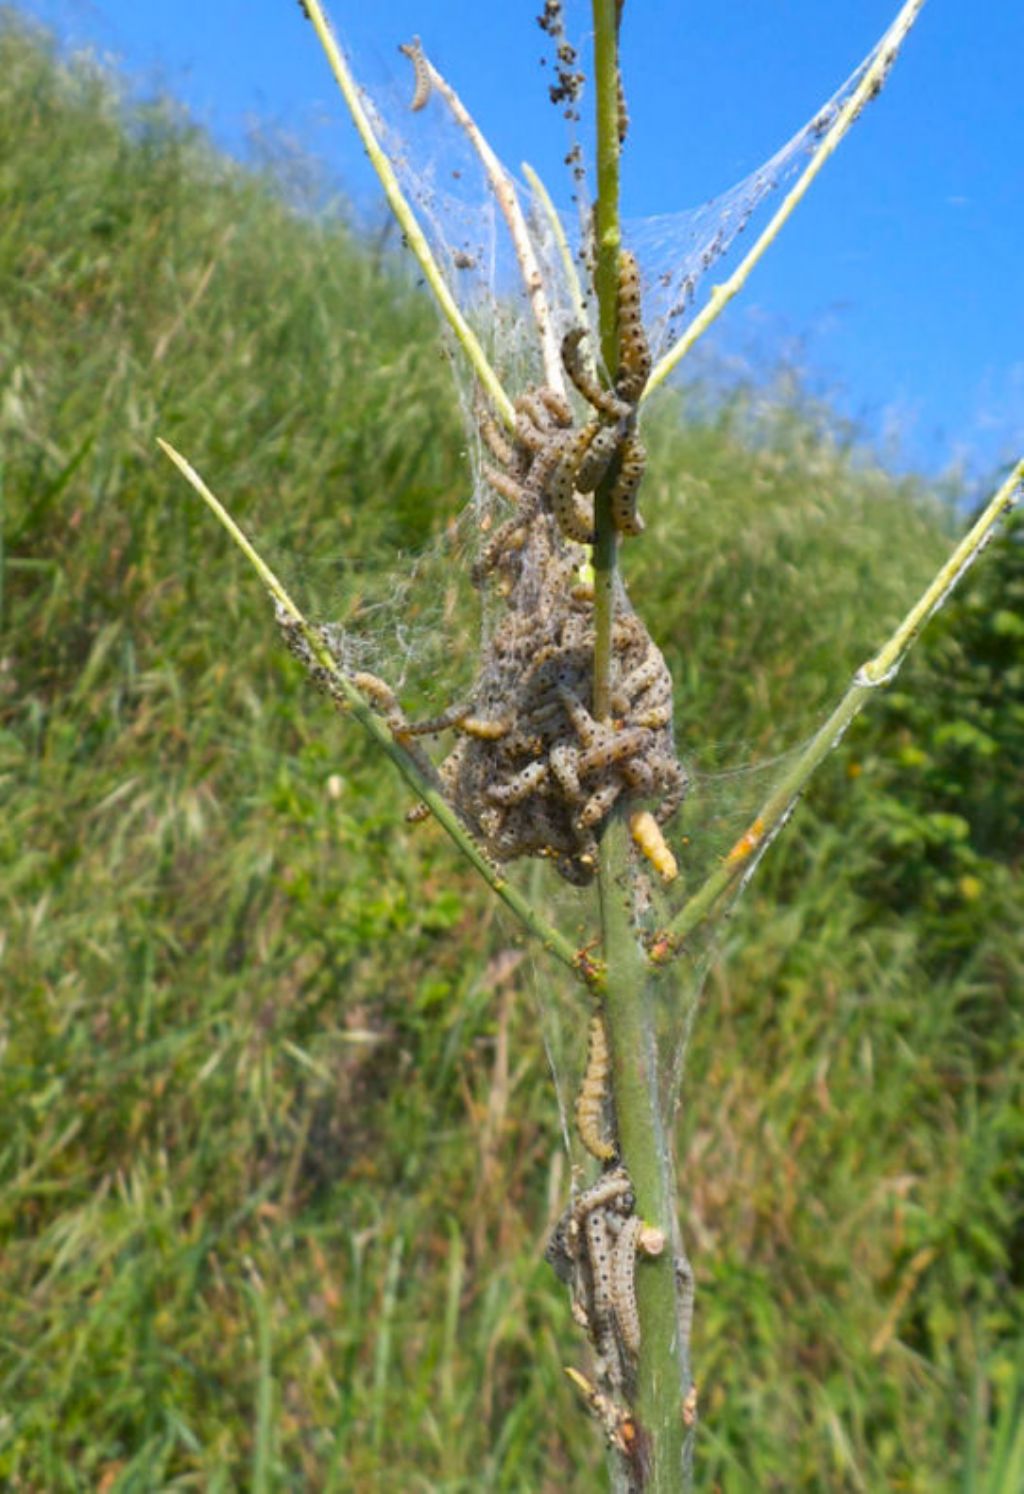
(590, 1102)
(421, 73)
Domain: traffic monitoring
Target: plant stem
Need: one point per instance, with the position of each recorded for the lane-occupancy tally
(628, 1005)
(739, 864)
(572, 280)
(508, 201)
(721, 295)
(414, 235)
(416, 773)
(607, 244)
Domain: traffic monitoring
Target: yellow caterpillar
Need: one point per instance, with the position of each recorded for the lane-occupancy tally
(590, 1101)
(646, 832)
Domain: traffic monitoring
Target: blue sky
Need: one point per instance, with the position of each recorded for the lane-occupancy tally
(897, 286)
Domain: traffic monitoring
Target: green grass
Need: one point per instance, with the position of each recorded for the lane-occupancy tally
(279, 1146)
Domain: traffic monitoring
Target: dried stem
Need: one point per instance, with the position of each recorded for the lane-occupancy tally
(414, 235)
(508, 200)
(721, 295)
(572, 280)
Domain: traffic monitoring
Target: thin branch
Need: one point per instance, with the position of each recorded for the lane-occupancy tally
(504, 190)
(608, 240)
(739, 865)
(422, 784)
(572, 279)
(869, 86)
(408, 222)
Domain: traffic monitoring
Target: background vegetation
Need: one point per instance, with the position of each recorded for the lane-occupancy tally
(279, 1148)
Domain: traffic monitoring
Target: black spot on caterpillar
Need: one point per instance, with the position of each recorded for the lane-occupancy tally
(421, 71)
(590, 1102)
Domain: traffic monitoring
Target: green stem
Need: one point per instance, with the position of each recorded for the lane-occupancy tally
(628, 998)
(739, 864)
(411, 769)
(629, 1010)
(607, 244)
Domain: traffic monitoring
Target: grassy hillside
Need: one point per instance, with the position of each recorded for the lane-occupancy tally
(279, 1147)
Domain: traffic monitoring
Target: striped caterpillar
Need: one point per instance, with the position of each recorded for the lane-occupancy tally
(593, 1093)
(421, 72)
(646, 833)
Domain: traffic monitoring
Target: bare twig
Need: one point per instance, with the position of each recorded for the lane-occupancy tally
(508, 200)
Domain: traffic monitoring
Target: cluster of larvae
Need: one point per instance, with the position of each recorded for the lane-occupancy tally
(534, 773)
(595, 1248)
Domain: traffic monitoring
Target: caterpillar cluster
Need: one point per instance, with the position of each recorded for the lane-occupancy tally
(582, 457)
(533, 772)
(595, 1248)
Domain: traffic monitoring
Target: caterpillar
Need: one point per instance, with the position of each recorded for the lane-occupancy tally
(380, 695)
(484, 730)
(563, 764)
(503, 484)
(585, 379)
(568, 507)
(511, 536)
(627, 487)
(599, 804)
(623, 1284)
(495, 440)
(421, 73)
(646, 833)
(597, 458)
(614, 749)
(623, 127)
(674, 795)
(634, 352)
(590, 1101)
(556, 405)
(520, 787)
(437, 724)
